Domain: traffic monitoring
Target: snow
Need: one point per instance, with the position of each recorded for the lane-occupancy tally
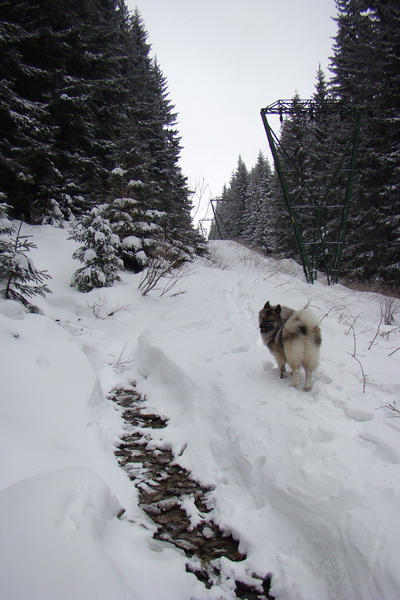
(118, 171)
(131, 241)
(309, 483)
(135, 183)
(89, 255)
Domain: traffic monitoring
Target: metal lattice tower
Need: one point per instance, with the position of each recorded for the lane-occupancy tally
(319, 244)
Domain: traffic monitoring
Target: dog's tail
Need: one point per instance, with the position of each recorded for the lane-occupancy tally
(303, 322)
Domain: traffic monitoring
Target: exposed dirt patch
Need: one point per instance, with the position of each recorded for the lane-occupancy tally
(178, 505)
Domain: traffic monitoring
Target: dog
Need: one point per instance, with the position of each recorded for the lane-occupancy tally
(293, 337)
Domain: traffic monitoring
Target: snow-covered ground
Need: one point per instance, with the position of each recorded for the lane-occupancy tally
(308, 482)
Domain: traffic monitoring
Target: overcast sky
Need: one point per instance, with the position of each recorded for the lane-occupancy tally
(224, 60)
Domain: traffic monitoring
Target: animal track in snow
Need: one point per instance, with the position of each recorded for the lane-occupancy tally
(238, 349)
(381, 450)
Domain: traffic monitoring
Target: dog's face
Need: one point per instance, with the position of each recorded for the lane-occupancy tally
(269, 318)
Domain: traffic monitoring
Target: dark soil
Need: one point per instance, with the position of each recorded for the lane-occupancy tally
(164, 487)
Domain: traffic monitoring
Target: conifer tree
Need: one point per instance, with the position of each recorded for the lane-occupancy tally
(328, 134)
(366, 74)
(136, 227)
(60, 102)
(152, 192)
(98, 253)
(27, 133)
(79, 96)
(19, 278)
(295, 140)
(258, 217)
(231, 209)
(218, 229)
(88, 102)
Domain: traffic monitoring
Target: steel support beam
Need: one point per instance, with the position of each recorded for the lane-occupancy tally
(329, 251)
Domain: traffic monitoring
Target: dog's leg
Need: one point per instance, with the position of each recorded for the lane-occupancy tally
(295, 380)
(282, 365)
(308, 382)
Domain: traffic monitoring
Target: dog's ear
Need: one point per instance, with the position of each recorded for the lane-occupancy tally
(278, 309)
(267, 305)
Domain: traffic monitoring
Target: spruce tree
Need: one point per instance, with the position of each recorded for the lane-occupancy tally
(231, 208)
(218, 229)
(27, 132)
(258, 218)
(60, 104)
(80, 95)
(137, 227)
(329, 132)
(89, 99)
(19, 278)
(152, 191)
(98, 253)
(366, 74)
(295, 141)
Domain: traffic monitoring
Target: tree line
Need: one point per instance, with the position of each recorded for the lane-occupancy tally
(365, 75)
(88, 133)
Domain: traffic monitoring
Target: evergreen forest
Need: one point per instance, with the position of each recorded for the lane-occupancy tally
(88, 138)
(89, 141)
(365, 75)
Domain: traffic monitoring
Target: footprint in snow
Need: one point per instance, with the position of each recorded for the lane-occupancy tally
(238, 349)
(380, 449)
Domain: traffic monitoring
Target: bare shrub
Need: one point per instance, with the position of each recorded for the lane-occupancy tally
(354, 353)
(390, 307)
(216, 260)
(122, 361)
(393, 408)
(164, 272)
(100, 310)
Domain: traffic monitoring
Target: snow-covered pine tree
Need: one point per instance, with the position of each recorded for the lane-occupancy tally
(19, 278)
(137, 227)
(238, 191)
(322, 151)
(6, 225)
(98, 253)
(61, 103)
(294, 138)
(150, 203)
(27, 133)
(218, 229)
(90, 97)
(231, 208)
(80, 94)
(366, 73)
(258, 231)
(328, 136)
(173, 193)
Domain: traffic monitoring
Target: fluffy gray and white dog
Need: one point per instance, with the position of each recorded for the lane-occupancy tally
(293, 337)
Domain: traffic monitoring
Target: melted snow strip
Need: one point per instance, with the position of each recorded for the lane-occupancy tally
(179, 506)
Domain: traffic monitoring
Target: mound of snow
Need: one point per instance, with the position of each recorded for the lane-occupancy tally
(309, 483)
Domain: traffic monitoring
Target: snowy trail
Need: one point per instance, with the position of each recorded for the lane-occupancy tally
(284, 462)
(309, 483)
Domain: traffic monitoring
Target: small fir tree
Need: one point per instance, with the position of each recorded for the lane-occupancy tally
(19, 278)
(136, 226)
(99, 252)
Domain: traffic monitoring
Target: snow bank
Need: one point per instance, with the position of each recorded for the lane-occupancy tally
(309, 483)
(50, 396)
(60, 515)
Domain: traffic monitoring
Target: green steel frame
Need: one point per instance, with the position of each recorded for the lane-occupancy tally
(320, 248)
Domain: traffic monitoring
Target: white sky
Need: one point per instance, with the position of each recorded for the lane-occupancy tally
(224, 60)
